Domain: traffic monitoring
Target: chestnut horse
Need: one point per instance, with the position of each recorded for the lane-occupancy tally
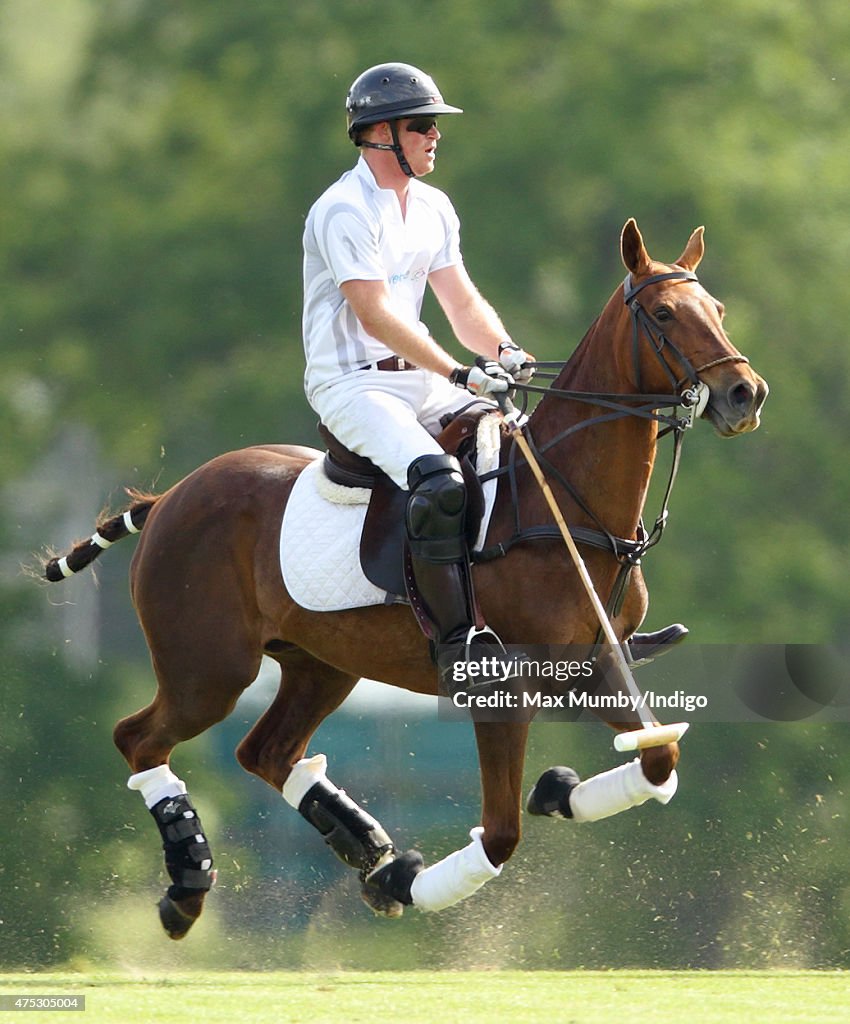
(209, 594)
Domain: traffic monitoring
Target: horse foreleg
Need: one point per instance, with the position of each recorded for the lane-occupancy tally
(560, 793)
(501, 759)
(659, 763)
(501, 750)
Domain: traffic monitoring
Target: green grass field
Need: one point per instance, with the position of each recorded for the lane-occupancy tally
(471, 997)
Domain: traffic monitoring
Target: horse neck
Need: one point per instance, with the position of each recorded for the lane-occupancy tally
(608, 464)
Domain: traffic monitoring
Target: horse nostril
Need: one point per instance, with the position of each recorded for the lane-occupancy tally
(741, 396)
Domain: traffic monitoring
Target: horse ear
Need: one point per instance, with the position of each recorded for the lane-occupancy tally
(694, 251)
(632, 249)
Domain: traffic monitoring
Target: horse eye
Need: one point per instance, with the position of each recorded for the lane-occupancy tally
(663, 314)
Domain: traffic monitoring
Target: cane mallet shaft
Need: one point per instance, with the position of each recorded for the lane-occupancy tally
(651, 735)
(654, 736)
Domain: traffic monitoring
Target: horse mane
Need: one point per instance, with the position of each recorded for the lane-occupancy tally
(578, 352)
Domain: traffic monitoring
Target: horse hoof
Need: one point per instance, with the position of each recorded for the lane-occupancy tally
(175, 922)
(387, 888)
(550, 795)
(379, 903)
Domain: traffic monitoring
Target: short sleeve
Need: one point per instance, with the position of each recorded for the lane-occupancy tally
(348, 240)
(449, 254)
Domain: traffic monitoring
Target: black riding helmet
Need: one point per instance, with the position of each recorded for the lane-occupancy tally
(388, 92)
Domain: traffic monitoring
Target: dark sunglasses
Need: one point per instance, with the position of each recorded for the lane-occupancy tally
(423, 125)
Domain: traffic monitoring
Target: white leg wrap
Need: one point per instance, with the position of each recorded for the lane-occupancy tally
(617, 790)
(304, 775)
(156, 784)
(455, 877)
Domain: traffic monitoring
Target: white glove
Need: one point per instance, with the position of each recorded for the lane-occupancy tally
(514, 359)
(485, 378)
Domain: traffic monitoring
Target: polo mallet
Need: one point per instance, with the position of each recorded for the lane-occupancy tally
(651, 735)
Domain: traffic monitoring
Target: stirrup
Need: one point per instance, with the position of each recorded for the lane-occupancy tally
(642, 648)
(476, 648)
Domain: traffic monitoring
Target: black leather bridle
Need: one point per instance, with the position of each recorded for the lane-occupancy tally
(643, 322)
(691, 401)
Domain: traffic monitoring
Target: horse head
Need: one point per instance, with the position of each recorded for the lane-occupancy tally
(683, 324)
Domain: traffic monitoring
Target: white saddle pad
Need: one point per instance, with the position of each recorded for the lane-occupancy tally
(320, 534)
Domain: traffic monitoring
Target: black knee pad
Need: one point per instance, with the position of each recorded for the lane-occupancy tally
(188, 858)
(354, 836)
(436, 509)
(430, 465)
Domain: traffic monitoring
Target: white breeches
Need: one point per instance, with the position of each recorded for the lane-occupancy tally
(390, 417)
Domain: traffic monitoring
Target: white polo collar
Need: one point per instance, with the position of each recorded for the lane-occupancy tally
(365, 173)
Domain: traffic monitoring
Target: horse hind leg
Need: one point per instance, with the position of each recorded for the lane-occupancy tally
(389, 880)
(146, 739)
(275, 751)
(188, 858)
(356, 837)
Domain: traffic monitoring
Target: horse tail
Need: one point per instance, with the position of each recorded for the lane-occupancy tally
(108, 530)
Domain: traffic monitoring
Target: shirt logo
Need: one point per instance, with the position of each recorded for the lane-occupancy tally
(407, 276)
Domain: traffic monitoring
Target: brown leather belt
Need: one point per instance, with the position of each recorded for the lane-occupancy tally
(390, 363)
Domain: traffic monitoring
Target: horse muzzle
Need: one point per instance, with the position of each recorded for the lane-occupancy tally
(734, 405)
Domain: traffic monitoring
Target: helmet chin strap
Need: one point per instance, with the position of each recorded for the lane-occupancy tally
(394, 148)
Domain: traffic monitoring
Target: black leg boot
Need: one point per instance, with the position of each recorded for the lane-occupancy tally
(442, 576)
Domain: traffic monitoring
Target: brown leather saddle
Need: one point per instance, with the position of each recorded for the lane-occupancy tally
(382, 542)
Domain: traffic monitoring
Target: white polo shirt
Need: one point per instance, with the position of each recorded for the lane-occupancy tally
(355, 232)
